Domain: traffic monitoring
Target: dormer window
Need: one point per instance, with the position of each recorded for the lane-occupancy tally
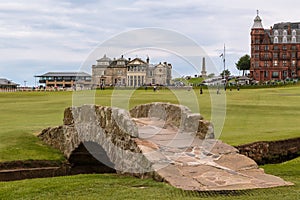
(293, 39)
(276, 39)
(104, 63)
(276, 33)
(294, 33)
(284, 39)
(120, 63)
(284, 33)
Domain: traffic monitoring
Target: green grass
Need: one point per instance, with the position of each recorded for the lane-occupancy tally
(252, 115)
(111, 186)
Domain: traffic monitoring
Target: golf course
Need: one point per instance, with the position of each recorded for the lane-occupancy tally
(264, 114)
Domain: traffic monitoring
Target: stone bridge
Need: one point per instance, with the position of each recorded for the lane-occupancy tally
(166, 142)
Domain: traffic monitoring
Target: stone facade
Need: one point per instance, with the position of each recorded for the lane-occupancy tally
(132, 73)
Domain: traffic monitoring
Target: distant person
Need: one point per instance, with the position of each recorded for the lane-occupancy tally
(218, 91)
(238, 88)
(201, 91)
(154, 88)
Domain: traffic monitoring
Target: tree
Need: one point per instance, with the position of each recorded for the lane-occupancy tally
(227, 73)
(243, 63)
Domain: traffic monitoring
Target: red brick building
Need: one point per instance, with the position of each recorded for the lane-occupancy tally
(275, 52)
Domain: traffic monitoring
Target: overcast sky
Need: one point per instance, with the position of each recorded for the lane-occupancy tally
(59, 35)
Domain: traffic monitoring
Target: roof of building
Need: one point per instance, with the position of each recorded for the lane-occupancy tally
(104, 59)
(136, 61)
(4, 81)
(257, 22)
(82, 74)
(286, 25)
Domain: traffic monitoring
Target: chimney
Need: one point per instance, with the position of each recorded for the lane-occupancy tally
(289, 29)
(165, 63)
(148, 59)
(129, 59)
(271, 30)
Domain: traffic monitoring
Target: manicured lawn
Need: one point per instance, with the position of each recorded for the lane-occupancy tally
(252, 115)
(105, 186)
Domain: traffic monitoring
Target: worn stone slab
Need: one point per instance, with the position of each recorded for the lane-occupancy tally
(190, 163)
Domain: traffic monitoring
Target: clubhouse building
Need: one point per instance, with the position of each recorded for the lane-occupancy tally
(275, 52)
(131, 73)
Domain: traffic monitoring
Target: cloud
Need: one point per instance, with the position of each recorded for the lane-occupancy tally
(56, 33)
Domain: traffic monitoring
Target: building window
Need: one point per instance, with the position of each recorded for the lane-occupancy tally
(293, 63)
(266, 74)
(294, 47)
(275, 47)
(256, 64)
(256, 47)
(284, 33)
(150, 73)
(275, 55)
(284, 39)
(266, 56)
(285, 73)
(293, 54)
(275, 63)
(294, 39)
(294, 33)
(120, 63)
(275, 74)
(284, 63)
(266, 64)
(275, 40)
(284, 47)
(276, 33)
(257, 41)
(284, 56)
(256, 55)
(266, 48)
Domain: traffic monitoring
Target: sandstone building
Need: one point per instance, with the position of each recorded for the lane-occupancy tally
(132, 73)
(275, 52)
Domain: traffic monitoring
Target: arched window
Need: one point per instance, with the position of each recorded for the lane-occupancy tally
(276, 39)
(276, 33)
(294, 39)
(284, 39)
(294, 33)
(284, 33)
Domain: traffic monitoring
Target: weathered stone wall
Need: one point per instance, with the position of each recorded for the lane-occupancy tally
(115, 131)
(272, 151)
(177, 115)
(111, 128)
